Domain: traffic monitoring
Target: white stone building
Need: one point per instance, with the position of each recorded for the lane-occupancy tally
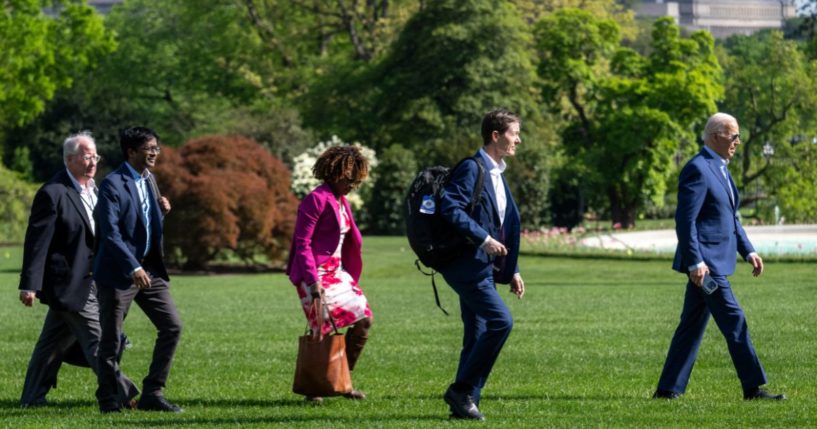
(722, 17)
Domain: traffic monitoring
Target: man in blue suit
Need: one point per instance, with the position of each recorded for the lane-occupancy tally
(709, 234)
(492, 230)
(128, 267)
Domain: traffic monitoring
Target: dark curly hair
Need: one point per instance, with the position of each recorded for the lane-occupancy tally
(341, 162)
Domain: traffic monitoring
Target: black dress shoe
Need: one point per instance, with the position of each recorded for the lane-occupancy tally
(157, 403)
(462, 405)
(758, 393)
(39, 402)
(110, 409)
(666, 394)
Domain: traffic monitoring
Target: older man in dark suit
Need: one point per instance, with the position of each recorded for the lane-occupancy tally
(128, 267)
(57, 259)
(493, 232)
(709, 236)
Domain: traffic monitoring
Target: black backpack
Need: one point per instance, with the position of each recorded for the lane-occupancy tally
(435, 242)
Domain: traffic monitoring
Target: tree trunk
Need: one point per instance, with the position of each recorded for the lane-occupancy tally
(622, 211)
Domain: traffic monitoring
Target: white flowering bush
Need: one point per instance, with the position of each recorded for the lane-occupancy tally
(303, 182)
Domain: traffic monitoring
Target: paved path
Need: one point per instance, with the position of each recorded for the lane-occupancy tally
(788, 239)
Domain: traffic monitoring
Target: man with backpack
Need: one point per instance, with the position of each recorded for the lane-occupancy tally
(491, 228)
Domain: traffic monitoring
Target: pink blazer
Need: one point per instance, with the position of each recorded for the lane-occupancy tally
(317, 233)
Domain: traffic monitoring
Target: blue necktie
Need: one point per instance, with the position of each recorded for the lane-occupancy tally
(726, 176)
(145, 211)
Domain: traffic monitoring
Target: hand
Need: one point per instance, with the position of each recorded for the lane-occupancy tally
(494, 248)
(141, 279)
(518, 286)
(757, 265)
(316, 308)
(697, 275)
(164, 205)
(27, 297)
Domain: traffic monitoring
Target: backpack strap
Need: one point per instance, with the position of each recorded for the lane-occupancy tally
(433, 284)
(477, 195)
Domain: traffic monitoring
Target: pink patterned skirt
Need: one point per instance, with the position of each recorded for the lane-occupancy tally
(343, 297)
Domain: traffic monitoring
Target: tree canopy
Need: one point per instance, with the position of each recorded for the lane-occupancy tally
(627, 113)
(771, 89)
(43, 54)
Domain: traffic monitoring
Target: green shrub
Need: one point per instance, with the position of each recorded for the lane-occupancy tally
(16, 196)
(395, 173)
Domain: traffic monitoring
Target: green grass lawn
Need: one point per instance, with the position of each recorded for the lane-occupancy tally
(586, 351)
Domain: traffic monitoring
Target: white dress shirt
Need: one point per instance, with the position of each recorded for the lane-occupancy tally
(495, 173)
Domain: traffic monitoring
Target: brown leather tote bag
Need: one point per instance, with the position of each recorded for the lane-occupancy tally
(322, 368)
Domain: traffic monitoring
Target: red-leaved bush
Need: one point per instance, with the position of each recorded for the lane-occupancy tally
(226, 192)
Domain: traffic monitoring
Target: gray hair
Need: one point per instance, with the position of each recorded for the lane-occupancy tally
(71, 144)
(717, 123)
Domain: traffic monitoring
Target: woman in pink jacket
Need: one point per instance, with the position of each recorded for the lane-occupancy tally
(325, 260)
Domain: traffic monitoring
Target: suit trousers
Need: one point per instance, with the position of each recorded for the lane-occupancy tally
(724, 308)
(61, 331)
(159, 307)
(486, 320)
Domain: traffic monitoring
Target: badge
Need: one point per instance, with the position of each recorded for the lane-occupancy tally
(428, 206)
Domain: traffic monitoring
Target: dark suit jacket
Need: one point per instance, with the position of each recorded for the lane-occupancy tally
(122, 233)
(485, 220)
(706, 220)
(58, 249)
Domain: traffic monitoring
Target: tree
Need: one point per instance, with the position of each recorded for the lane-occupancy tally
(770, 88)
(42, 54)
(171, 74)
(16, 196)
(322, 28)
(397, 169)
(626, 113)
(228, 193)
(452, 62)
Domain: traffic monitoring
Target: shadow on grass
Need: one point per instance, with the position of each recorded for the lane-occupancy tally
(179, 420)
(549, 398)
(12, 404)
(606, 283)
(526, 397)
(241, 403)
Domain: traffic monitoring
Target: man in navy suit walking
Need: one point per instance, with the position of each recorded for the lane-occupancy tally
(709, 234)
(128, 267)
(492, 230)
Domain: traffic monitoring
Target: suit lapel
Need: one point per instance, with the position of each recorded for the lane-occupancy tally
(488, 186)
(74, 197)
(715, 166)
(130, 186)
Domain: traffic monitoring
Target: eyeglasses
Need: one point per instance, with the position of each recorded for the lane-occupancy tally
(733, 137)
(95, 158)
(151, 149)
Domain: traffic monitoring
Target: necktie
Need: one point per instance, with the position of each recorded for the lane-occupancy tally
(726, 176)
(145, 210)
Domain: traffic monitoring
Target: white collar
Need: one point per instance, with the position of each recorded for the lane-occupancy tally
(716, 155)
(90, 184)
(494, 167)
(135, 174)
